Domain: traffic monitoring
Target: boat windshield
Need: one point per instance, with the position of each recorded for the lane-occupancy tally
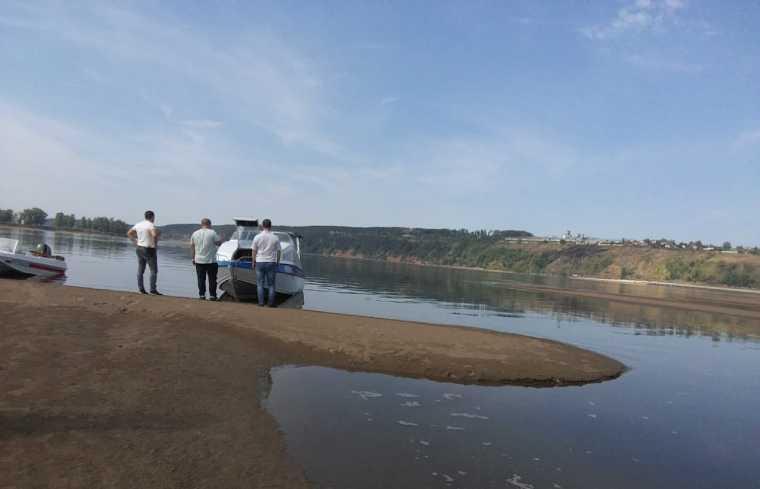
(245, 234)
(249, 234)
(8, 245)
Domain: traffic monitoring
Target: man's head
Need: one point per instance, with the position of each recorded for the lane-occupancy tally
(206, 222)
(150, 216)
(266, 224)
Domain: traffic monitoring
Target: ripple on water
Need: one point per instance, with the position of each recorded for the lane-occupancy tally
(468, 415)
(411, 404)
(367, 395)
(406, 423)
(516, 481)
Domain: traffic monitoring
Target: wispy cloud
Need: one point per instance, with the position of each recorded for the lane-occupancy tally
(56, 156)
(747, 139)
(277, 88)
(640, 16)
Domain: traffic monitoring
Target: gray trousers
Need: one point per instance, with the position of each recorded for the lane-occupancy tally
(147, 256)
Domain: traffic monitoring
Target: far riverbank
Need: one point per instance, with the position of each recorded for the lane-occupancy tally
(61, 230)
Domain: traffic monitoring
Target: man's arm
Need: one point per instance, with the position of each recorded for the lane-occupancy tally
(218, 239)
(192, 250)
(132, 235)
(156, 233)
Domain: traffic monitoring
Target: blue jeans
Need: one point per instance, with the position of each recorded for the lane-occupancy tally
(147, 256)
(265, 275)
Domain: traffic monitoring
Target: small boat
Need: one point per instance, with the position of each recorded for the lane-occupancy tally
(37, 263)
(236, 274)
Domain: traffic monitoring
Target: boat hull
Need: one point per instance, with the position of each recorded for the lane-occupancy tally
(15, 265)
(238, 278)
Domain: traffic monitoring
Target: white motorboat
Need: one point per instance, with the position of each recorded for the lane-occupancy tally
(236, 274)
(39, 263)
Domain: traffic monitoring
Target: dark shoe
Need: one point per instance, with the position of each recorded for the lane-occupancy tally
(203, 297)
(261, 305)
(213, 299)
(271, 305)
(155, 292)
(142, 291)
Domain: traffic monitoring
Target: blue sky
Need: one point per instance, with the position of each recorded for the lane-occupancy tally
(616, 119)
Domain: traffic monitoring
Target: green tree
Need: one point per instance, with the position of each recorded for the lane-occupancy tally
(6, 215)
(84, 223)
(727, 245)
(34, 216)
(64, 221)
(59, 220)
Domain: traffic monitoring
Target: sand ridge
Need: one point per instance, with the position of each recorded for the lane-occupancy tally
(447, 353)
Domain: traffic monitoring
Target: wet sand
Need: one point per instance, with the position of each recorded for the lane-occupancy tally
(114, 389)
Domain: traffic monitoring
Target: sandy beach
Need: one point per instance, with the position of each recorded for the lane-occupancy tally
(114, 389)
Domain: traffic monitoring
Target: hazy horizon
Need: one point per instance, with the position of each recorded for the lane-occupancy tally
(634, 118)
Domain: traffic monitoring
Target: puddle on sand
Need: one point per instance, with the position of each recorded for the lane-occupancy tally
(483, 437)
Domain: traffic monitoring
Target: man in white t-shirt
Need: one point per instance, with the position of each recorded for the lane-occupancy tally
(266, 256)
(203, 245)
(145, 235)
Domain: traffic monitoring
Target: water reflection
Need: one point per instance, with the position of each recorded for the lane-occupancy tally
(479, 294)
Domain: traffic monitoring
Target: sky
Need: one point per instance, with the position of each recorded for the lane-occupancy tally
(617, 119)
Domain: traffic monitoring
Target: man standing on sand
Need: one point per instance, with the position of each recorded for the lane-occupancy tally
(145, 235)
(203, 244)
(266, 256)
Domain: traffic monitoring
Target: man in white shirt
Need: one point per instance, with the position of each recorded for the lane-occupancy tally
(203, 245)
(266, 256)
(145, 235)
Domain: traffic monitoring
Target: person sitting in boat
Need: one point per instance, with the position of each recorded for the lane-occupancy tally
(42, 250)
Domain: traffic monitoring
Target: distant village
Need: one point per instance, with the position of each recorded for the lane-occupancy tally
(666, 244)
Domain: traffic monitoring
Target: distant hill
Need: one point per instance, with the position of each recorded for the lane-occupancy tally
(375, 242)
(418, 245)
(490, 250)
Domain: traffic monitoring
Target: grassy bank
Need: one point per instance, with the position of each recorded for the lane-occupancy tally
(627, 263)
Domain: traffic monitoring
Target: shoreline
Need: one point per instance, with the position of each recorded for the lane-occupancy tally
(686, 285)
(59, 230)
(745, 309)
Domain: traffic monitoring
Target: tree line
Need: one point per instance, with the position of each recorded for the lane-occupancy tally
(37, 217)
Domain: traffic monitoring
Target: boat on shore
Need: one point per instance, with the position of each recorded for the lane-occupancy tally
(237, 277)
(38, 263)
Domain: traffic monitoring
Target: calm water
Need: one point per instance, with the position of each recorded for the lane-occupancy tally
(685, 415)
